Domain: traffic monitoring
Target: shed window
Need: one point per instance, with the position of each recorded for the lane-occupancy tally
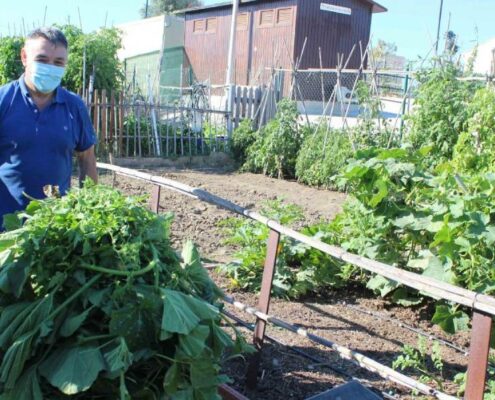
(266, 17)
(284, 16)
(199, 26)
(211, 25)
(242, 21)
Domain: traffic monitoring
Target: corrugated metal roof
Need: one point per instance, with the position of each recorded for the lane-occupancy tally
(375, 7)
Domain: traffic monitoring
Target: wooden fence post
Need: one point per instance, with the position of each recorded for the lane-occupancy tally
(121, 125)
(155, 199)
(263, 306)
(96, 114)
(104, 109)
(478, 356)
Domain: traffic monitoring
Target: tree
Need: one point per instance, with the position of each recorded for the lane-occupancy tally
(382, 52)
(10, 58)
(159, 7)
(101, 51)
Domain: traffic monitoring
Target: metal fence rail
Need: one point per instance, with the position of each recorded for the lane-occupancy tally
(483, 306)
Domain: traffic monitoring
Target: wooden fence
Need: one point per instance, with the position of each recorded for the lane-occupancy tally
(141, 128)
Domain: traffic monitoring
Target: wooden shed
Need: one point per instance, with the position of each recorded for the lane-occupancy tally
(271, 33)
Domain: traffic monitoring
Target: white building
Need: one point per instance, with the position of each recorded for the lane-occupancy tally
(485, 58)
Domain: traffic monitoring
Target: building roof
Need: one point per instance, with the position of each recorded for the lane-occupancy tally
(375, 7)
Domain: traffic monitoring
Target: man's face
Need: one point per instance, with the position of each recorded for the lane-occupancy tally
(43, 51)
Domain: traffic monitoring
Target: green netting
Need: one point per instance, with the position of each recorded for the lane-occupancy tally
(137, 70)
(175, 74)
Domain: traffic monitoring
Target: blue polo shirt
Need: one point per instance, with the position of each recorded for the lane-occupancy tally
(36, 147)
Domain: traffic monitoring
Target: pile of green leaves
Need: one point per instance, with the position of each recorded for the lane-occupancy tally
(96, 304)
(322, 156)
(274, 152)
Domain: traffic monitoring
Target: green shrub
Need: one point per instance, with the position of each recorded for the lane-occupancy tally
(440, 111)
(243, 137)
(274, 153)
(322, 155)
(10, 59)
(475, 149)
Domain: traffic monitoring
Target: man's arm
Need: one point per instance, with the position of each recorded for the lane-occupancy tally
(87, 165)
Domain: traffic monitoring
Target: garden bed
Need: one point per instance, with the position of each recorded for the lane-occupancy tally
(342, 316)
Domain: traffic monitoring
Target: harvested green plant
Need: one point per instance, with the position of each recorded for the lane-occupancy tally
(95, 304)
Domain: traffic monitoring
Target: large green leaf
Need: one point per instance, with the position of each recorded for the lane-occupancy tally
(73, 369)
(198, 275)
(450, 319)
(15, 359)
(380, 192)
(382, 285)
(194, 343)
(27, 387)
(204, 374)
(73, 322)
(27, 319)
(182, 313)
(13, 276)
(172, 379)
(177, 314)
(118, 357)
(135, 323)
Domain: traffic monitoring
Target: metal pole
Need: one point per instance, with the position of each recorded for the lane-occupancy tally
(230, 65)
(438, 28)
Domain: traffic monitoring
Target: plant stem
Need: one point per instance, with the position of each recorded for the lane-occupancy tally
(74, 296)
(127, 274)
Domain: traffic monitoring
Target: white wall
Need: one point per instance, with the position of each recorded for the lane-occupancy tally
(141, 37)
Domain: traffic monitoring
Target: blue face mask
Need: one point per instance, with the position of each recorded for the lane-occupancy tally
(46, 77)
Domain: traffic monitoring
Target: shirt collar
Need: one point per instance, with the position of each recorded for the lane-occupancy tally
(59, 92)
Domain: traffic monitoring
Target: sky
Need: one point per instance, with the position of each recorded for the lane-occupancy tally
(410, 24)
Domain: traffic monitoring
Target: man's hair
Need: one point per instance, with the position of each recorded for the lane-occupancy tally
(52, 34)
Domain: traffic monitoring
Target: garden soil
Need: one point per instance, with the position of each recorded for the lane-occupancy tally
(351, 317)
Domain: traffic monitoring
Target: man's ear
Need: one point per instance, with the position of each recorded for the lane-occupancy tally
(24, 56)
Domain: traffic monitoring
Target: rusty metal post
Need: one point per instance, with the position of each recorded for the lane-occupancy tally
(155, 198)
(227, 393)
(263, 306)
(478, 356)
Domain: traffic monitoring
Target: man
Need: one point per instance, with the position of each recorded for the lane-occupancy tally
(41, 126)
